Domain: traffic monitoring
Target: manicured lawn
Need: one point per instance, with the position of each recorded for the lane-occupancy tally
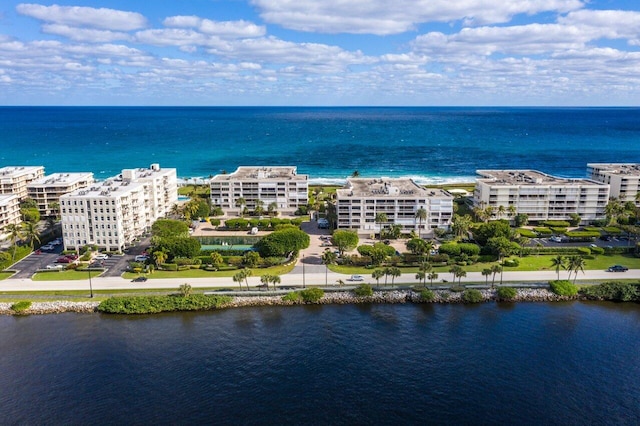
(201, 273)
(5, 275)
(200, 190)
(64, 275)
(527, 263)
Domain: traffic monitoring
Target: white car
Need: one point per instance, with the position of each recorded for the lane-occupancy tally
(54, 266)
(47, 247)
(356, 278)
(141, 258)
(101, 256)
(56, 242)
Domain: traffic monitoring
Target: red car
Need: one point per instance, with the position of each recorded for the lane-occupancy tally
(64, 259)
(71, 256)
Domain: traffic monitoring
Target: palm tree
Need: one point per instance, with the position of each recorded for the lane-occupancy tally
(272, 208)
(15, 234)
(216, 259)
(30, 232)
(159, 257)
(485, 273)
(511, 211)
(429, 245)
(559, 262)
(421, 215)
(488, 213)
(259, 209)
(495, 269)
(575, 264)
(328, 258)
(501, 211)
(266, 280)
(176, 211)
(275, 279)
(55, 210)
(238, 278)
(340, 283)
(246, 272)
(461, 225)
(420, 276)
(432, 276)
(394, 272)
(613, 209)
(458, 272)
(376, 275)
(240, 203)
(381, 218)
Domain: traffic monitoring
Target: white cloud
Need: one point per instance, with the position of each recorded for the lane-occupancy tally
(608, 23)
(223, 29)
(77, 16)
(84, 34)
(391, 17)
(171, 37)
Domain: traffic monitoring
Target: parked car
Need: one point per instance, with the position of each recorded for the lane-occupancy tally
(617, 268)
(141, 258)
(356, 278)
(47, 247)
(56, 242)
(101, 256)
(54, 266)
(139, 279)
(605, 238)
(555, 239)
(71, 256)
(64, 259)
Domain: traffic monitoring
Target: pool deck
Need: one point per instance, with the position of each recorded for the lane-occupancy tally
(204, 229)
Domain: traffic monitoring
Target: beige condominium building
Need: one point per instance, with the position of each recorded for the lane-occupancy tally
(362, 199)
(113, 213)
(9, 212)
(280, 185)
(540, 196)
(48, 189)
(623, 179)
(14, 179)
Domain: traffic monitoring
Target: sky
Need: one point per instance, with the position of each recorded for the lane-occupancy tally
(321, 52)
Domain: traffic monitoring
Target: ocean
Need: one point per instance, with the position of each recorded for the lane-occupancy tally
(573, 363)
(431, 145)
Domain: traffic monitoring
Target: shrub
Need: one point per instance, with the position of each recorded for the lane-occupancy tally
(451, 249)
(457, 288)
(506, 293)
(311, 295)
(543, 230)
(21, 306)
(597, 250)
(563, 288)
(182, 261)
(511, 263)
(584, 250)
(469, 249)
(214, 222)
(528, 233)
(445, 295)
(294, 296)
(154, 304)
(440, 258)
(582, 234)
(185, 290)
(427, 295)
(169, 266)
(363, 290)
(612, 230)
(556, 223)
(471, 295)
(612, 290)
(558, 230)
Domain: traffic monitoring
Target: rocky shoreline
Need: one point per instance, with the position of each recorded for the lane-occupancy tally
(341, 298)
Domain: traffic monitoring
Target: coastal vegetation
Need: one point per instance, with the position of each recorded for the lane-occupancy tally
(613, 290)
(21, 306)
(563, 288)
(156, 304)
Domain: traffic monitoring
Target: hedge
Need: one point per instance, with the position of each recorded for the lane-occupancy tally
(563, 287)
(612, 230)
(527, 233)
(155, 304)
(312, 295)
(363, 290)
(556, 223)
(543, 230)
(582, 234)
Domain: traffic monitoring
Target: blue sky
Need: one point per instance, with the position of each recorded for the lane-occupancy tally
(329, 52)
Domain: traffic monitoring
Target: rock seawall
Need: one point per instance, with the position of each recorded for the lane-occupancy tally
(340, 298)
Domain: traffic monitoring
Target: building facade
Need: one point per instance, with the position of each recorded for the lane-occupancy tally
(14, 179)
(362, 199)
(280, 185)
(48, 189)
(9, 212)
(540, 196)
(113, 213)
(622, 178)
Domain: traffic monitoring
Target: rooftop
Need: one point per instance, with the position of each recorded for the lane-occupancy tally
(528, 177)
(262, 173)
(61, 179)
(4, 199)
(632, 169)
(20, 170)
(396, 188)
(108, 188)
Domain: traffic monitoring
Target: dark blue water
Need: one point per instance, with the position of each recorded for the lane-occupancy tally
(430, 144)
(563, 363)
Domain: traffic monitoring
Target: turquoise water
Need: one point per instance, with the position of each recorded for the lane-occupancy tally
(494, 364)
(429, 144)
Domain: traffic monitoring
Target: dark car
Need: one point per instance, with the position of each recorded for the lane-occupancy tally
(605, 238)
(139, 280)
(617, 268)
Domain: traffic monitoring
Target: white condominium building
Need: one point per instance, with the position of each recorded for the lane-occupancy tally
(14, 179)
(540, 196)
(624, 179)
(362, 199)
(280, 185)
(113, 213)
(47, 190)
(9, 212)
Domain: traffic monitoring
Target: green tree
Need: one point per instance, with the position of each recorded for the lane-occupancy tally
(55, 210)
(420, 276)
(238, 277)
(461, 225)
(558, 262)
(417, 246)
(575, 264)
(432, 276)
(496, 228)
(376, 275)
(159, 257)
(185, 290)
(495, 269)
(345, 240)
(394, 272)
(241, 203)
(251, 259)
(521, 219)
(163, 228)
(485, 273)
(272, 209)
(259, 208)
(421, 215)
(457, 272)
(246, 272)
(282, 242)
